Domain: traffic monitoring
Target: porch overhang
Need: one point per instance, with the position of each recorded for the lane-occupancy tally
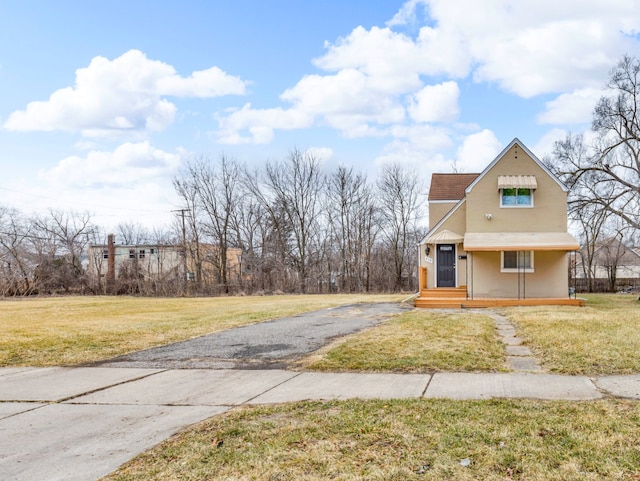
(444, 237)
(519, 241)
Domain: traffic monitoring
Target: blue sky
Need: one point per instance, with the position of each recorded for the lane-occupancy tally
(102, 102)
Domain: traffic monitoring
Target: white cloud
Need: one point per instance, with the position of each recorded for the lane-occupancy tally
(477, 151)
(323, 154)
(381, 81)
(123, 95)
(406, 14)
(545, 145)
(435, 103)
(128, 164)
(418, 146)
(571, 108)
(259, 124)
(530, 48)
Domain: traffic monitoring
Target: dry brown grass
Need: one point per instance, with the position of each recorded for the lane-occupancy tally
(400, 440)
(72, 330)
(602, 338)
(422, 340)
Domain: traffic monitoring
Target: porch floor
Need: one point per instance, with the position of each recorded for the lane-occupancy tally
(456, 298)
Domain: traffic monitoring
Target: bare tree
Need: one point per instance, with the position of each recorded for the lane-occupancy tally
(291, 193)
(132, 233)
(16, 263)
(399, 191)
(69, 234)
(584, 210)
(610, 254)
(351, 216)
(612, 160)
(214, 192)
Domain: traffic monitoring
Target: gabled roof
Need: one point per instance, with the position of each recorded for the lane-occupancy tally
(435, 178)
(449, 186)
(503, 153)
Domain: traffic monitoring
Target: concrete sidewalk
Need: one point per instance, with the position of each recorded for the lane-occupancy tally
(82, 423)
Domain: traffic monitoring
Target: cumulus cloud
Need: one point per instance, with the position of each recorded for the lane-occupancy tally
(571, 108)
(128, 164)
(121, 95)
(321, 153)
(372, 81)
(477, 151)
(435, 103)
(531, 48)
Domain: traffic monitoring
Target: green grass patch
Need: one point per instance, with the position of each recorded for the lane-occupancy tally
(400, 440)
(421, 340)
(599, 339)
(73, 330)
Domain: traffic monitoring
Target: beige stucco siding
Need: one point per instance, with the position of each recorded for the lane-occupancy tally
(549, 278)
(454, 223)
(437, 210)
(548, 213)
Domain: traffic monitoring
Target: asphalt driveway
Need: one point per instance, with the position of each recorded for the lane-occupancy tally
(266, 345)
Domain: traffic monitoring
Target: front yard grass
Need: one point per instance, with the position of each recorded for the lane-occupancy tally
(399, 440)
(73, 330)
(421, 340)
(599, 339)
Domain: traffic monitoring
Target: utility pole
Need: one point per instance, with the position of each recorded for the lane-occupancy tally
(182, 213)
(111, 263)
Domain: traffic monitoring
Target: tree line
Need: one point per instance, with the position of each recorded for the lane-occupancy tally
(298, 229)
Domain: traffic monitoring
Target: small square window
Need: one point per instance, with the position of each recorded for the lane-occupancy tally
(132, 253)
(141, 254)
(516, 261)
(105, 254)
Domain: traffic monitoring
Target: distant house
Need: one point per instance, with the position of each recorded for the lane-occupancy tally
(614, 265)
(200, 263)
(498, 237)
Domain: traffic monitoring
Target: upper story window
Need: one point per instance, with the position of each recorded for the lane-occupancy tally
(516, 190)
(141, 254)
(516, 197)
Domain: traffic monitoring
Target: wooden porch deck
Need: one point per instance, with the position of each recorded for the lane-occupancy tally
(456, 298)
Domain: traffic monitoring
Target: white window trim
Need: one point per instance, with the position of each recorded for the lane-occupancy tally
(515, 269)
(517, 206)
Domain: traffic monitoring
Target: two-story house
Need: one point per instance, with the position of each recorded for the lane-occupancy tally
(497, 238)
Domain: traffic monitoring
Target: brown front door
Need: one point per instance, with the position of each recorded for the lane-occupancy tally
(446, 259)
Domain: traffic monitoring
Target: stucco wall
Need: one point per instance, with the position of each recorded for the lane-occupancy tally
(549, 211)
(455, 223)
(549, 279)
(437, 210)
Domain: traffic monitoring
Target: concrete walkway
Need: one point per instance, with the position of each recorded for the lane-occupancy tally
(82, 423)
